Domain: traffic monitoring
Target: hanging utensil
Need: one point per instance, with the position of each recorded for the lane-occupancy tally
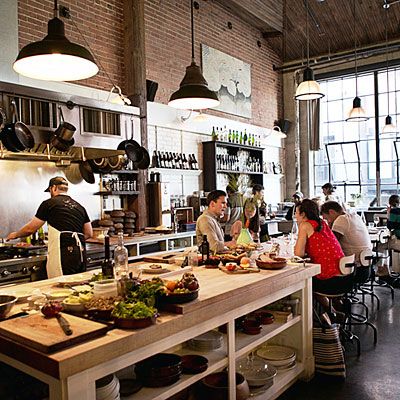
(15, 135)
(65, 130)
(85, 169)
(131, 147)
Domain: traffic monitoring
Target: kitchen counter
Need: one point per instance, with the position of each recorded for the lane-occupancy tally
(71, 373)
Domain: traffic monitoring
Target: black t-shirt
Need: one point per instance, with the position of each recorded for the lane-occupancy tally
(63, 213)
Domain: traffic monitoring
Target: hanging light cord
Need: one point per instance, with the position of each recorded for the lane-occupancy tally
(96, 59)
(355, 43)
(387, 55)
(192, 27)
(308, 37)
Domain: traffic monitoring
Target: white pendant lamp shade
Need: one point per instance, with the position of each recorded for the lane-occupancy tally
(309, 89)
(357, 113)
(117, 97)
(55, 58)
(389, 126)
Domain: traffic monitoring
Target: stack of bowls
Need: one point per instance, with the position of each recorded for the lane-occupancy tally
(162, 369)
(259, 375)
(208, 341)
(107, 388)
(216, 387)
(281, 357)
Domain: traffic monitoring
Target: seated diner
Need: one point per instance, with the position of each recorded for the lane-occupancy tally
(209, 222)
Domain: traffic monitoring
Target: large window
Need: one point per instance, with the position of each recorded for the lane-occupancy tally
(348, 154)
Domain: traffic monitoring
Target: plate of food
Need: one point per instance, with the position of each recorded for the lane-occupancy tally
(133, 315)
(181, 291)
(154, 269)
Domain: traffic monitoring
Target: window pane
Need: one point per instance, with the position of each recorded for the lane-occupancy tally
(365, 84)
(334, 89)
(387, 150)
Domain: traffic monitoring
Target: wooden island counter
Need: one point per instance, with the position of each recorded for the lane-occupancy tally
(71, 373)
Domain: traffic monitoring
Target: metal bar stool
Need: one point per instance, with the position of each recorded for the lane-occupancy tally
(361, 276)
(347, 268)
(381, 244)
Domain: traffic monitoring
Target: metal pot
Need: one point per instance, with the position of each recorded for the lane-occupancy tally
(65, 130)
(60, 144)
(85, 169)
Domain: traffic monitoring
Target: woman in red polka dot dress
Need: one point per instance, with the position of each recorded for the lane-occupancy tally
(320, 244)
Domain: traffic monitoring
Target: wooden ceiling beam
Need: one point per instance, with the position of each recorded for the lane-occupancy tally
(265, 15)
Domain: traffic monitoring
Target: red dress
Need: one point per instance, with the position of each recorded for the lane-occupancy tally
(323, 248)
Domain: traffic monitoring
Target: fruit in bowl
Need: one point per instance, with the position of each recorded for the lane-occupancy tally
(181, 291)
(231, 266)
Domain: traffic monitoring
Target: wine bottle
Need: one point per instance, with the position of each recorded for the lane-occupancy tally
(107, 267)
(204, 249)
(245, 137)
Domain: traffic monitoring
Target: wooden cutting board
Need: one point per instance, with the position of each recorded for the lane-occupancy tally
(46, 335)
(113, 240)
(162, 259)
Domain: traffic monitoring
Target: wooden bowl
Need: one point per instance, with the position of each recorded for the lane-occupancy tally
(272, 263)
(194, 364)
(179, 298)
(131, 323)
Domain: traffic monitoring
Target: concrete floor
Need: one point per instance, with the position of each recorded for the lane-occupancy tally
(375, 375)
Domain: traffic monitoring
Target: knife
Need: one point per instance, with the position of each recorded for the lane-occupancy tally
(64, 324)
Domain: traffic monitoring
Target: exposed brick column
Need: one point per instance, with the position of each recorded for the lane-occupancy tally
(135, 87)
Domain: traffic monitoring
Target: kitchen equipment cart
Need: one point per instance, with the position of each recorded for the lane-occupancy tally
(71, 373)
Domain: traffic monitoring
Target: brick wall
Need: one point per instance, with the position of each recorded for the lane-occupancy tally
(167, 44)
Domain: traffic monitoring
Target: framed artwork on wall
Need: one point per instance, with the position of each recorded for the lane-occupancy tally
(230, 78)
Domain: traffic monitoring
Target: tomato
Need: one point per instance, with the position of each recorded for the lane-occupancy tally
(231, 266)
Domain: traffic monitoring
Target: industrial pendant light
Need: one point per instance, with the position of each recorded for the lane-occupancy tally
(357, 113)
(193, 93)
(309, 89)
(389, 127)
(55, 58)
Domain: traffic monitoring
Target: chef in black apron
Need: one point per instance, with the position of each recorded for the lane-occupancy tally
(68, 227)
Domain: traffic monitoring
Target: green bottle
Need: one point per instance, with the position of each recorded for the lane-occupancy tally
(241, 138)
(213, 134)
(245, 137)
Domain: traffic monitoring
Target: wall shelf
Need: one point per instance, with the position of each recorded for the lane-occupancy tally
(210, 151)
(175, 171)
(117, 193)
(225, 171)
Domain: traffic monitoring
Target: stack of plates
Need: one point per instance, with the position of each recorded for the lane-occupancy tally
(281, 357)
(107, 388)
(208, 341)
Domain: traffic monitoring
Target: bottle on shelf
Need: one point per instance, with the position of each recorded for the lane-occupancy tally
(154, 161)
(230, 136)
(107, 267)
(121, 258)
(204, 249)
(214, 135)
(245, 137)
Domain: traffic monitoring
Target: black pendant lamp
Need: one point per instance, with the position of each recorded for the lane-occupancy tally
(193, 93)
(309, 89)
(389, 127)
(357, 113)
(55, 58)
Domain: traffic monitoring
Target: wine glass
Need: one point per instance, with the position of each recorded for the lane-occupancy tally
(376, 220)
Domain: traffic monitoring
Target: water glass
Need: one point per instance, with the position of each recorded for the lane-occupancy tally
(193, 259)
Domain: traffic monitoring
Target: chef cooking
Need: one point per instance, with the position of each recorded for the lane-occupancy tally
(68, 227)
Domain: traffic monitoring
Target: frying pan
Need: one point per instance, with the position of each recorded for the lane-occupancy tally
(73, 174)
(85, 169)
(131, 147)
(145, 161)
(86, 172)
(20, 135)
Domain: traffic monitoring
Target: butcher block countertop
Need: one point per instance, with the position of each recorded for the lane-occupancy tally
(219, 295)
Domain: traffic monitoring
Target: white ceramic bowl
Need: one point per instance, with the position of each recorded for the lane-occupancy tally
(58, 294)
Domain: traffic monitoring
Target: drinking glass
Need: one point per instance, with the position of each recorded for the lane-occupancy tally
(193, 259)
